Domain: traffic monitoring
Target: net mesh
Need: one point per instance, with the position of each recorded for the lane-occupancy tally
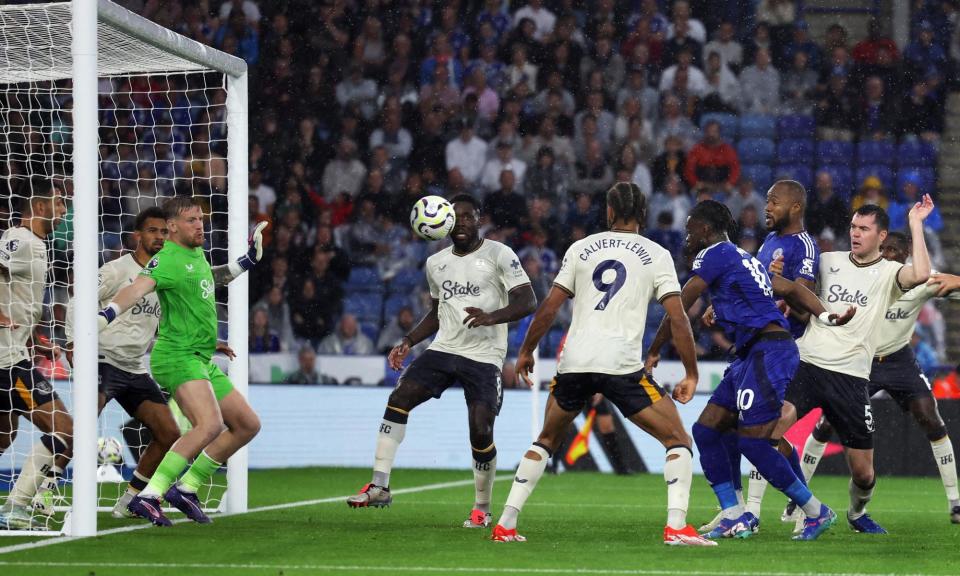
(162, 133)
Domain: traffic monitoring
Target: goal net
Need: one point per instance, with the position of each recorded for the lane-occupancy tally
(162, 109)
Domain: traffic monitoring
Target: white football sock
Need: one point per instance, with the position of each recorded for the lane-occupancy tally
(35, 468)
(484, 473)
(810, 459)
(859, 498)
(388, 441)
(756, 486)
(946, 462)
(528, 474)
(678, 473)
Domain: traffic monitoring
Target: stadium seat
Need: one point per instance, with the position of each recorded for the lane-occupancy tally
(927, 177)
(761, 175)
(365, 306)
(371, 330)
(795, 151)
(406, 281)
(835, 152)
(884, 173)
(728, 123)
(756, 150)
(913, 153)
(798, 172)
(796, 126)
(842, 179)
(364, 279)
(393, 305)
(755, 126)
(872, 152)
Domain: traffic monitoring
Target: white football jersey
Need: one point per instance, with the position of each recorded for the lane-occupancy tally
(23, 259)
(481, 279)
(872, 288)
(612, 277)
(125, 341)
(899, 322)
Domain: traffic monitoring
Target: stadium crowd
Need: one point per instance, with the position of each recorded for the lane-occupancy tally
(537, 107)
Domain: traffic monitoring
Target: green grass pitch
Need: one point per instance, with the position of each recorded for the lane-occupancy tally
(577, 524)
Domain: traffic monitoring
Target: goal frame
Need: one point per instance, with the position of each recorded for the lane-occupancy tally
(85, 73)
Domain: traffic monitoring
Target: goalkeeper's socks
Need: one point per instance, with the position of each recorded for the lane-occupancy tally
(773, 466)
(812, 453)
(484, 473)
(166, 474)
(35, 469)
(525, 480)
(392, 430)
(946, 462)
(200, 471)
(678, 473)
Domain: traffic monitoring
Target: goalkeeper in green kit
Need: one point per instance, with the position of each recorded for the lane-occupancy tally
(222, 420)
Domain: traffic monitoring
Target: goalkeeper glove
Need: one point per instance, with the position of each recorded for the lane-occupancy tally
(253, 255)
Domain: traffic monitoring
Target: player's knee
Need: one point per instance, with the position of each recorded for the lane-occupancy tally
(58, 443)
(823, 431)
(481, 436)
(862, 474)
(208, 431)
(6, 439)
(935, 431)
(165, 436)
(250, 425)
(703, 434)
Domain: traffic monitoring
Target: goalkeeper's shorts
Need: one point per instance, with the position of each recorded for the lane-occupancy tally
(172, 371)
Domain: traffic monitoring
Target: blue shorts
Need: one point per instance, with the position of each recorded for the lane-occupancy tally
(754, 385)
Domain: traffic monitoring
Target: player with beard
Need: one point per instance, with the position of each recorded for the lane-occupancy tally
(895, 370)
(477, 287)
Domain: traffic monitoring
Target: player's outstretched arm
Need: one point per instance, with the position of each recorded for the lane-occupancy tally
(226, 273)
(522, 303)
(542, 321)
(800, 297)
(689, 294)
(125, 298)
(427, 327)
(919, 269)
(945, 284)
(682, 337)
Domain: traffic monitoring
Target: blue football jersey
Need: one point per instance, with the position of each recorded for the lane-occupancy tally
(740, 291)
(801, 259)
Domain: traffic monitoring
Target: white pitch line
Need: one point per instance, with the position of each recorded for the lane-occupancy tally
(430, 569)
(132, 528)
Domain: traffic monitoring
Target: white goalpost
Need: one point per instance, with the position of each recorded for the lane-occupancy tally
(124, 113)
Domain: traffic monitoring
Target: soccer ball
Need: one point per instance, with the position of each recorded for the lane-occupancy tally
(432, 218)
(109, 451)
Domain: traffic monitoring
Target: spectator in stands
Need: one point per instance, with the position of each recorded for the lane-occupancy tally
(871, 192)
(868, 50)
(925, 354)
(466, 153)
(345, 173)
(547, 136)
(347, 339)
(826, 209)
(666, 235)
(924, 53)
(506, 208)
(441, 94)
(696, 80)
(760, 86)
(396, 329)
(749, 223)
(306, 372)
(910, 195)
(263, 340)
(635, 171)
(547, 178)
(359, 90)
(521, 70)
(637, 87)
(584, 217)
(836, 110)
(780, 16)
(760, 40)
(604, 119)
(680, 41)
(920, 115)
(726, 45)
(266, 195)
(393, 136)
(712, 162)
(592, 174)
(278, 312)
(671, 198)
(838, 64)
(543, 18)
(745, 195)
(316, 303)
(608, 62)
(503, 160)
(682, 17)
(722, 92)
(878, 114)
(538, 247)
(835, 37)
(669, 162)
(488, 102)
(799, 86)
(256, 217)
(801, 42)
(236, 36)
(674, 123)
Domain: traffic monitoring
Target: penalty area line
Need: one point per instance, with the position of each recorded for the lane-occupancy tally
(321, 568)
(64, 539)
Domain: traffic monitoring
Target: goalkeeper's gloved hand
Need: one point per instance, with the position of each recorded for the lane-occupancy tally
(255, 253)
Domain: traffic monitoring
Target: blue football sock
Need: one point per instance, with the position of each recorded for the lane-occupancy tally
(794, 460)
(775, 468)
(733, 455)
(715, 464)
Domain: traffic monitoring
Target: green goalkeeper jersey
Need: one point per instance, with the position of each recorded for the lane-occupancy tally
(188, 323)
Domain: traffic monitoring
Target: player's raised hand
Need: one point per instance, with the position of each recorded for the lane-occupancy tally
(684, 390)
(921, 209)
(709, 317)
(945, 283)
(776, 267)
(226, 350)
(477, 317)
(524, 367)
(398, 354)
(651, 362)
(255, 252)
